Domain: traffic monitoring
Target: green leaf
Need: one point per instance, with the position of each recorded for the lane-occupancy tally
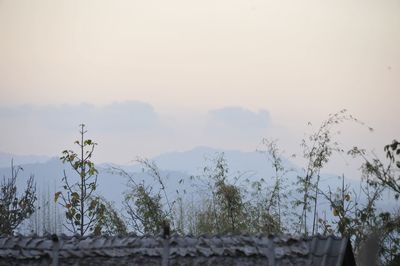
(93, 204)
(56, 196)
(68, 215)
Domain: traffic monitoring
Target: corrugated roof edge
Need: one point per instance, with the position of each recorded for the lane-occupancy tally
(319, 248)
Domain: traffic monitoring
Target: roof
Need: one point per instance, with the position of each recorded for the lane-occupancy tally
(181, 250)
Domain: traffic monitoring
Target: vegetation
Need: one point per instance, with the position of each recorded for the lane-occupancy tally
(14, 208)
(219, 202)
(224, 210)
(47, 218)
(145, 211)
(110, 221)
(229, 204)
(380, 176)
(83, 210)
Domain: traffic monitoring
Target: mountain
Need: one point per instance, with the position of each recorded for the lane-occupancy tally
(193, 161)
(48, 176)
(5, 159)
(174, 167)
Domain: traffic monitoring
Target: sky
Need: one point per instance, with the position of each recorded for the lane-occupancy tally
(155, 76)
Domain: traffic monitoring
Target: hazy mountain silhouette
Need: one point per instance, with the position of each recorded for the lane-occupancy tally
(174, 166)
(5, 159)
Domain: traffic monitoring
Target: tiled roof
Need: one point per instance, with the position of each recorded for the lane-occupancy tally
(181, 250)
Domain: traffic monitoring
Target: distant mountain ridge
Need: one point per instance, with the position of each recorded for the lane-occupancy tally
(190, 161)
(193, 161)
(253, 165)
(174, 167)
(48, 171)
(5, 159)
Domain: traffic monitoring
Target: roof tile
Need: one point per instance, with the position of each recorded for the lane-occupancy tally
(273, 250)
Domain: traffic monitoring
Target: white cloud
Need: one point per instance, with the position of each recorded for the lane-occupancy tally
(238, 118)
(128, 129)
(119, 116)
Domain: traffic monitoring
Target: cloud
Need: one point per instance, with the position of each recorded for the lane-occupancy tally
(239, 118)
(127, 129)
(236, 127)
(120, 116)
(126, 116)
(122, 129)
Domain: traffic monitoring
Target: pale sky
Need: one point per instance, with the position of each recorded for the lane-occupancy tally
(294, 60)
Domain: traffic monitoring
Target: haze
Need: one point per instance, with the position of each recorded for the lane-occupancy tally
(187, 73)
